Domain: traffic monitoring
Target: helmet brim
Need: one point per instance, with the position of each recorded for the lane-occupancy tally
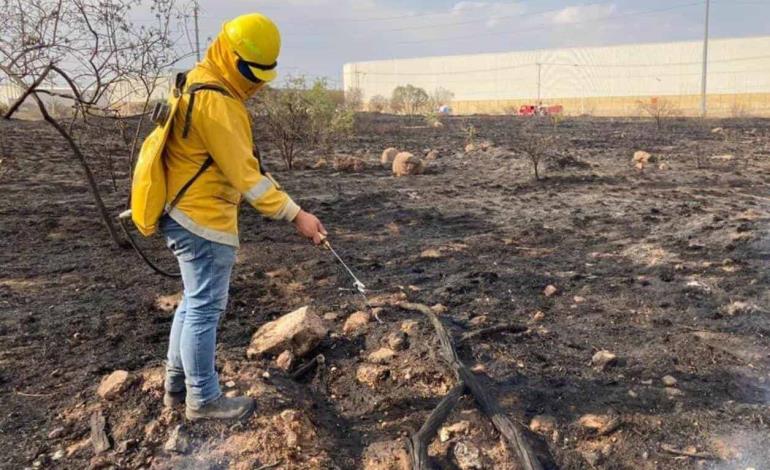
(264, 75)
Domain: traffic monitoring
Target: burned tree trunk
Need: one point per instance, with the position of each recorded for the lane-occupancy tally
(486, 402)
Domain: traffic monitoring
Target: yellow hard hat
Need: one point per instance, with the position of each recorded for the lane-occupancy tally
(255, 39)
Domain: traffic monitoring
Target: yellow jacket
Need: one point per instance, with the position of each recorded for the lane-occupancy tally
(220, 127)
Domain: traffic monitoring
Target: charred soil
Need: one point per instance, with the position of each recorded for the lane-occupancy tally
(665, 268)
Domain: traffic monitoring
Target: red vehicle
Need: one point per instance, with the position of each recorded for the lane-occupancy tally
(540, 110)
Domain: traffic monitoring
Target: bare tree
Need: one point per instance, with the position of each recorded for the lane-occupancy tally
(660, 109)
(303, 114)
(95, 52)
(378, 104)
(535, 146)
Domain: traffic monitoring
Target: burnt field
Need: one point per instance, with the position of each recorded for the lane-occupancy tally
(663, 272)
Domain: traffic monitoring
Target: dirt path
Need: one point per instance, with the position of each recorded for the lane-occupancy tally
(666, 269)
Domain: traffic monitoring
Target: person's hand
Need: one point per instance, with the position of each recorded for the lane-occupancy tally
(310, 227)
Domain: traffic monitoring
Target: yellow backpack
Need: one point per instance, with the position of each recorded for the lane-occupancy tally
(148, 187)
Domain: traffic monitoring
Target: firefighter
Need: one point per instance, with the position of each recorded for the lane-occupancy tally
(201, 228)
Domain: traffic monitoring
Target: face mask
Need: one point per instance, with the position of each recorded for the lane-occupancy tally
(245, 70)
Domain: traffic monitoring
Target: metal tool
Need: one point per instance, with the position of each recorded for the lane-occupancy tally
(357, 284)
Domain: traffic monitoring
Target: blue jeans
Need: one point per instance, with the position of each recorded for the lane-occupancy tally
(205, 268)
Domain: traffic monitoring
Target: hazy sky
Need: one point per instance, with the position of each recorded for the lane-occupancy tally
(321, 35)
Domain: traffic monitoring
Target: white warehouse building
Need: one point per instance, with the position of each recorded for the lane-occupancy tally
(603, 81)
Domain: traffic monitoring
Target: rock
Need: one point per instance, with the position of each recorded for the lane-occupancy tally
(356, 323)
(114, 385)
(669, 381)
(78, 446)
(58, 455)
(387, 455)
(430, 253)
(673, 392)
(178, 440)
(371, 374)
(406, 164)
(593, 422)
(285, 360)
(331, 316)
(724, 158)
(592, 457)
(384, 300)
(467, 456)
(410, 327)
(397, 341)
(125, 446)
(299, 332)
(388, 155)
(99, 439)
(578, 299)
(739, 308)
(470, 148)
(642, 159)
(320, 163)
(550, 290)
(439, 309)
(479, 321)
(603, 360)
(432, 155)
(437, 124)
(447, 432)
(153, 378)
(717, 130)
(168, 303)
(538, 316)
(349, 164)
(56, 433)
(297, 428)
(543, 425)
(382, 356)
(664, 167)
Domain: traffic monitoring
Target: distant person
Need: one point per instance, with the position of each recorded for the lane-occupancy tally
(201, 228)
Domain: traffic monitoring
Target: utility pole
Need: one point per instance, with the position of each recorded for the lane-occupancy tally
(703, 104)
(196, 9)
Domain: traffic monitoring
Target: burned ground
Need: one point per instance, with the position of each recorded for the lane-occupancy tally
(666, 268)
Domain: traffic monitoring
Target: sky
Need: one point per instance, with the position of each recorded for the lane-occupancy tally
(319, 36)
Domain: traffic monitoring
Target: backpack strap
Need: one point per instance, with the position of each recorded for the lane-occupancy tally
(181, 80)
(209, 161)
(194, 88)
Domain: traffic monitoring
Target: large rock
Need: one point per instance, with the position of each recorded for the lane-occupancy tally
(388, 155)
(298, 332)
(114, 384)
(406, 164)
